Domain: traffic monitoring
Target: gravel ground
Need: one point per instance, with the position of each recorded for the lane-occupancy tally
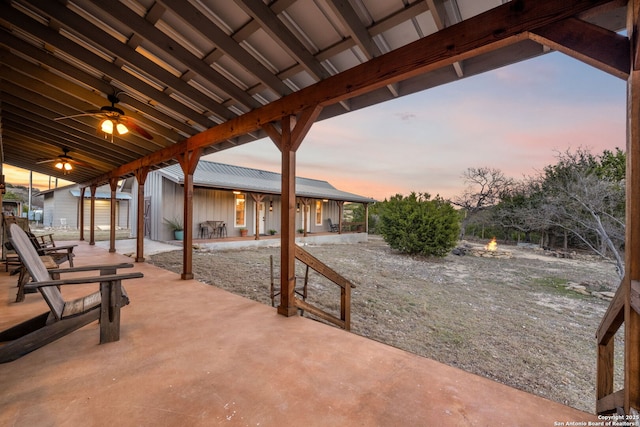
(508, 319)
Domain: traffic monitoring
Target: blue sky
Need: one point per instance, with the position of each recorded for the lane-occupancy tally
(514, 119)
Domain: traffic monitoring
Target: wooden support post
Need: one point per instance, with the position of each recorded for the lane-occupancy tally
(141, 177)
(366, 217)
(288, 141)
(257, 199)
(81, 219)
(92, 215)
(340, 215)
(113, 184)
(188, 162)
(306, 202)
(632, 244)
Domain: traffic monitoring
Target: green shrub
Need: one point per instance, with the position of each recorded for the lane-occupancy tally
(418, 225)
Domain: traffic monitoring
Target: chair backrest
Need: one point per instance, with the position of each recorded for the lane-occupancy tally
(31, 260)
(36, 244)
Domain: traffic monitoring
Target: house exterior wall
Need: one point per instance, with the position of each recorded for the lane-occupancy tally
(62, 209)
(166, 202)
(103, 213)
(167, 199)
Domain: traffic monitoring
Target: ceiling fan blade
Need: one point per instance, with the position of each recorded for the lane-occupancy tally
(76, 162)
(88, 113)
(41, 161)
(134, 127)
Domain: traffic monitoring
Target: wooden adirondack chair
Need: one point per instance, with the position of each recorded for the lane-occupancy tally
(56, 254)
(64, 316)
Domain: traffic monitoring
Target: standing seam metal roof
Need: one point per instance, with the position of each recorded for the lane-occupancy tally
(229, 177)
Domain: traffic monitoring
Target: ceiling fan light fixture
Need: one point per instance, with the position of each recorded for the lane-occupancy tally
(121, 128)
(107, 126)
(63, 166)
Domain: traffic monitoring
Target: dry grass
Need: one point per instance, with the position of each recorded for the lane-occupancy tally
(511, 320)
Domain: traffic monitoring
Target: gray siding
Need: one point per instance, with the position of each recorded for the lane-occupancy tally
(61, 208)
(167, 198)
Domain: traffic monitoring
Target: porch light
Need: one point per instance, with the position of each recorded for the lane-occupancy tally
(271, 206)
(325, 200)
(236, 192)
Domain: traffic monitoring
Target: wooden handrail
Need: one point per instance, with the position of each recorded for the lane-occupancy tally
(613, 317)
(344, 321)
(634, 298)
(608, 401)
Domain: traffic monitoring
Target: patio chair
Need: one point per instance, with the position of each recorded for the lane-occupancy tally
(333, 227)
(63, 316)
(55, 255)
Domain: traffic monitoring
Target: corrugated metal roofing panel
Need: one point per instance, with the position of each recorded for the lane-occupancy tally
(230, 177)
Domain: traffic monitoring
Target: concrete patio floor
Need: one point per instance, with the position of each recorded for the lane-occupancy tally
(194, 355)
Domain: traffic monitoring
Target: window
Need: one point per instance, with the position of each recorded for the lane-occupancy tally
(240, 210)
(318, 212)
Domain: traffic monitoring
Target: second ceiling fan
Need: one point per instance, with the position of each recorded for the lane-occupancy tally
(113, 120)
(63, 162)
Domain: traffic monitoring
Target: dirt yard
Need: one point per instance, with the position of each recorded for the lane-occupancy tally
(508, 319)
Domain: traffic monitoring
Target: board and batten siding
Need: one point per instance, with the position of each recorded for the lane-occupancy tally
(209, 204)
(62, 209)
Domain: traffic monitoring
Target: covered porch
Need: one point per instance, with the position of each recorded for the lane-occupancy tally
(192, 354)
(59, 49)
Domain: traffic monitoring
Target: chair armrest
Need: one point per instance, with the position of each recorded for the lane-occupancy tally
(101, 267)
(84, 280)
(68, 248)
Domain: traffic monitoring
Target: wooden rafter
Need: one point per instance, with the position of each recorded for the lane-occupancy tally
(596, 46)
(494, 29)
(276, 28)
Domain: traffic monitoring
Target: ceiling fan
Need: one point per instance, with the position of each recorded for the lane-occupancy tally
(63, 162)
(113, 120)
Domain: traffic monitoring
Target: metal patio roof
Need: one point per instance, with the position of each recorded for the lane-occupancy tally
(229, 177)
(180, 67)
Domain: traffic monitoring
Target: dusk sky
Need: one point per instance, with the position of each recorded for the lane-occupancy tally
(514, 119)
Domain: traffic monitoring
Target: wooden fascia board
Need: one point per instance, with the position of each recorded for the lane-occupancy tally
(496, 28)
(593, 45)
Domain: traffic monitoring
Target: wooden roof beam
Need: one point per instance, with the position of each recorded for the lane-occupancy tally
(593, 45)
(64, 44)
(270, 23)
(126, 52)
(499, 27)
(227, 45)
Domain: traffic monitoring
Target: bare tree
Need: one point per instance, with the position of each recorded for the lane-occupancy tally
(587, 204)
(520, 208)
(484, 187)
